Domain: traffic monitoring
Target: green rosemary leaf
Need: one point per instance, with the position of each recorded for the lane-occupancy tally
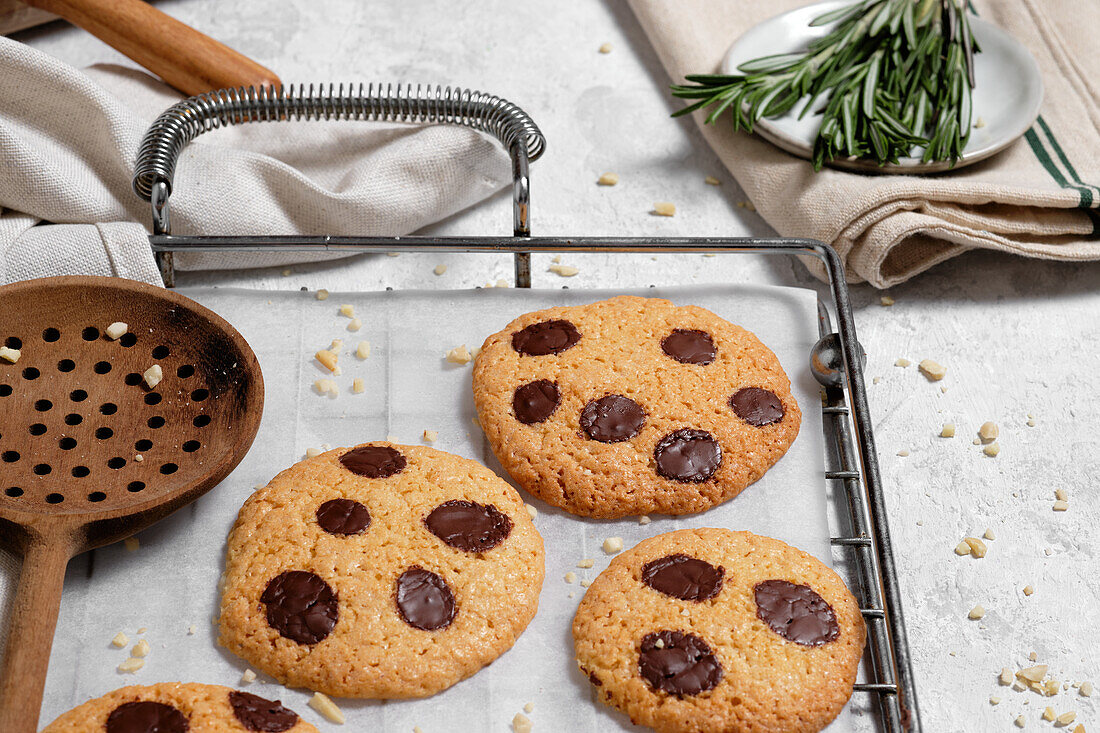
(768, 64)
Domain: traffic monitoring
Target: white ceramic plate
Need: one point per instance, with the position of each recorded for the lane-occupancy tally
(1007, 95)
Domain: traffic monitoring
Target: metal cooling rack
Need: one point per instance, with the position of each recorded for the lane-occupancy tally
(852, 461)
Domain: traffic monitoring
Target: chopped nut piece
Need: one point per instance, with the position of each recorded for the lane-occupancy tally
(1020, 721)
(608, 179)
(1049, 713)
(192, 629)
(141, 649)
(586, 583)
(363, 350)
(1085, 689)
(977, 441)
(120, 640)
(1066, 718)
(358, 386)
(1033, 674)
(988, 432)
(643, 520)
(10, 355)
(327, 359)
(430, 436)
(886, 301)
(313, 452)
(531, 511)
(326, 386)
(248, 677)
(556, 258)
(963, 548)
(977, 547)
(327, 708)
(521, 724)
(322, 294)
(992, 450)
(1050, 688)
(660, 643)
(976, 613)
(935, 372)
(712, 181)
(664, 208)
(116, 330)
(153, 375)
(131, 665)
(355, 324)
(1028, 590)
(529, 707)
(903, 453)
(440, 269)
(564, 270)
(902, 362)
(1061, 494)
(570, 577)
(876, 380)
(989, 535)
(336, 345)
(347, 310)
(586, 563)
(132, 543)
(604, 48)
(948, 430)
(286, 273)
(994, 700)
(1080, 728)
(1030, 420)
(980, 122)
(1061, 506)
(612, 545)
(459, 355)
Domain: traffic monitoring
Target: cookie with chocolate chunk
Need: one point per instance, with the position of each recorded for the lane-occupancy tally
(380, 571)
(177, 707)
(710, 629)
(632, 406)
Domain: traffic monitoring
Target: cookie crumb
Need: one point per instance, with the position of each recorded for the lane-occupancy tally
(116, 330)
(140, 649)
(10, 355)
(608, 179)
(586, 583)
(988, 432)
(355, 324)
(992, 450)
(327, 708)
(430, 436)
(131, 665)
(521, 723)
(712, 181)
(531, 511)
(948, 430)
(358, 386)
(322, 294)
(153, 375)
(902, 362)
(1028, 590)
(529, 708)
(989, 535)
(327, 359)
(440, 269)
(612, 545)
(976, 613)
(586, 563)
(934, 371)
(1061, 506)
(564, 270)
(192, 629)
(132, 543)
(120, 640)
(248, 677)
(886, 301)
(644, 520)
(362, 351)
(459, 355)
(570, 577)
(664, 208)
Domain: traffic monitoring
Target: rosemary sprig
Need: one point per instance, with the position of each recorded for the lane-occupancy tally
(891, 76)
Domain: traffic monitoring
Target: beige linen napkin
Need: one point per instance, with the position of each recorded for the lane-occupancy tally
(69, 139)
(1039, 198)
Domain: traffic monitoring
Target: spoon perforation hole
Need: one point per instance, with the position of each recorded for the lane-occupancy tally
(102, 367)
(128, 340)
(185, 371)
(13, 342)
(66, 443)
(108, 408)
(43, 405)
(96, 496)
(50, 335)
(73, 419)
(104, 433)
(155, 422)
(54, 498)
(37, 429)
(135, 486)
(31, 373)
(80, 471)
(201, 421)
(91, 333)
(200, 394)
(116, 463)
(133, 379)
(161, 352)
(191, 446)
(14, 492)
(5, 390)
(143, 445)
(169, 468)
(43, 469)
(66, 365)
(78, 395)
(153, 398)
(9, 456)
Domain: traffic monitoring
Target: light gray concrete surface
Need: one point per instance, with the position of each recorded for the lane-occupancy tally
(1017, 337)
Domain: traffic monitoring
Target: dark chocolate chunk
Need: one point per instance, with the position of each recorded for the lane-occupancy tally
(535, 401)
(757, 406)
(343, 516)
(594, 679)
(548, 337)
(146, 716)
(796, 612)
(424, 599)
(689, 346)
(683, 577)
(374, 461)
(256, 713)
(301, 606)
(467, 526)
(612, 419)
(678, 663)
(688, 456)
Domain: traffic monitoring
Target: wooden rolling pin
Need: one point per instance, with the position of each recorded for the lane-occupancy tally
(188, 60)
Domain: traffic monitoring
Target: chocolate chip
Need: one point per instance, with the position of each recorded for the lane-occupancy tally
(594, 679)
(678, 663)
(146, 716)
(683, 577)
(256, 713)
(467, 526)
(548, 337)
(612, 419)
(796, 612)
(301, 606)
(688, 456)
(689, 346)
(424, 599)
(373, 461)
(343, 516)
(757, 406)
(535, 401)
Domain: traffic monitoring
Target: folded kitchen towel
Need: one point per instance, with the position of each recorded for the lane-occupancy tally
(69, 140)
(1038, 198)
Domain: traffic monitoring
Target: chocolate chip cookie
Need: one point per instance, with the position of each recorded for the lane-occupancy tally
(632, 406)
(177, 707)
(715, 630)
(380, 571)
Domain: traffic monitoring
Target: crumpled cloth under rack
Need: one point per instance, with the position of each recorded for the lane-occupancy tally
(69, 139)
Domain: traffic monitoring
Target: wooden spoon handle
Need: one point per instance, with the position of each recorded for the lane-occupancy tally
(30, 635)
(188, 60)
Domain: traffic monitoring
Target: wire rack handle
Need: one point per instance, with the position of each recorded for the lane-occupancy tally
(183, 122)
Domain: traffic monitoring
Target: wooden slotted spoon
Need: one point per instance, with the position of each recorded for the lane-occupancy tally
(75, 415)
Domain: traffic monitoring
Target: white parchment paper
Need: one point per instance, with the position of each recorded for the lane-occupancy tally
(170, 583)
